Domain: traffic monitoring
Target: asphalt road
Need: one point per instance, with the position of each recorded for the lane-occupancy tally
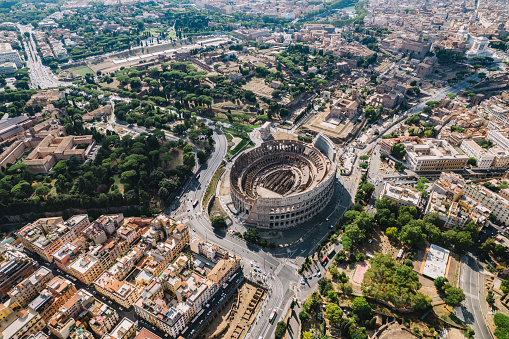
(40, 75)
(474, 307)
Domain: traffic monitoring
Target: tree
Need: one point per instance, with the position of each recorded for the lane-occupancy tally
(399, 167)
(504, 286)
(218, 222)
(392, 232)
(189, 160)
(440, 283)
(333, 269)
(303, 315)
(411, 235)
(347, 242)
(202, 157)
(354, 233)
(363, 165)
(490, 299)
(350, 216)
(454, 295)
(324, 285)
(421, 302)
(42, 191)
(472, 161)
(398, 151)
(188, 148)
(334, 313)
(280, 330)
(362, 308)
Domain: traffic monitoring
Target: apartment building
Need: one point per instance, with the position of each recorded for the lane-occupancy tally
(472, 149)
(108, 252)
(401, 195)
(110, 223)
(63, 321)
(25, 291)
(196, 290)
(501, 160)
(124, 265)
(223, 270)
(65, 255)
(121, 292)
(61, 325)
(498, 206)
(146, 334)
(499, 138)
(15, 267)
(46, 235)
(386, 144)
(103, 317)
(19, 324)
(128, 233)
(435, 155)
(95, 233)
(60, 290)
(449, 184)
(86, 268)
(456, 213)
(168, 318)
(124, 330)
(164, 253)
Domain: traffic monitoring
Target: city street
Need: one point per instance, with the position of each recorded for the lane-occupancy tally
(40, 75)
(474, 307)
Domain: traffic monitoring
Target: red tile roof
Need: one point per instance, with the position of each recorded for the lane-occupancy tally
(146, 334)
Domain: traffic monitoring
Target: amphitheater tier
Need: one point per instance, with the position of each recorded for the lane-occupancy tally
(283, 183)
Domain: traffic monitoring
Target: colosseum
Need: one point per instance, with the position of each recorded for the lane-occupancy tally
(283, 183)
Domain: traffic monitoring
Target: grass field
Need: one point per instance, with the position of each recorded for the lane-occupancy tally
(211, 189)
(81, 71)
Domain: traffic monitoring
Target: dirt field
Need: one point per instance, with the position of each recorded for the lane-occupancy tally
(259, 87)
(234, 320)
(284, 136)
(379, 244)
(318, 123)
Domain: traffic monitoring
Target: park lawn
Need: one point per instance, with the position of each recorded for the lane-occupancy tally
(172, 34)
(118, 183)
(82, 71)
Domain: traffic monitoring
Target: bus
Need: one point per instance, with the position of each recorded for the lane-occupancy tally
(232, 277)
(272, 316)
(195, 203)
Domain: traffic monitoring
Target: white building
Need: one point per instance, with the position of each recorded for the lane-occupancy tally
(499, 139)
(402, 196)
(472, 149)
(436, 262)
(479, 47)
(7, 54)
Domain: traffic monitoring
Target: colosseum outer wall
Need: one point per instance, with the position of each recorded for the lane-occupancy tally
(296, 208)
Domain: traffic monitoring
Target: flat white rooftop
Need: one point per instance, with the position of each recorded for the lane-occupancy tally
(436, 262)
